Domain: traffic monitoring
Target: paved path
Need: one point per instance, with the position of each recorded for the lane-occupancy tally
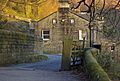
(39, 71)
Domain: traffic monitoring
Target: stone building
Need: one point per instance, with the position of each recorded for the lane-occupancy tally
(52, 35)
(53, 27)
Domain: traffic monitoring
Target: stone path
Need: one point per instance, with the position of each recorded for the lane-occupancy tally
(39, 71)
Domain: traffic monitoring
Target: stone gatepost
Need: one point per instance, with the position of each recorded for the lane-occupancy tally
(67, 39)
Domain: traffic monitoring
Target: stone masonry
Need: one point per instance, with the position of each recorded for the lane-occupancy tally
(16, 47)
(54, 44)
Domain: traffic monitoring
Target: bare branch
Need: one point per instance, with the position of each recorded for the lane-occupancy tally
(102, 8)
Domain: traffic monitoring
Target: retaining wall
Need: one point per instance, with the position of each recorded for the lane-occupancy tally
(16, 47)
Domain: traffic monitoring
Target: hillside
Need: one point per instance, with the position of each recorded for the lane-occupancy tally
(34, 9)
(38, 9)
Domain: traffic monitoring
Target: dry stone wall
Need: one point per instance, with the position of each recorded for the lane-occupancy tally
(16, 47)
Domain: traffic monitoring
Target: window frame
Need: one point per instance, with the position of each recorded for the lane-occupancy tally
(45, 39)
(80, 34)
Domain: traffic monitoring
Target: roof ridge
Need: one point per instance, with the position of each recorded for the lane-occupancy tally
(47, 16)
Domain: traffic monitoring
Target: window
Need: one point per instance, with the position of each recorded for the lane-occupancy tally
(45, 34)
(80, 35)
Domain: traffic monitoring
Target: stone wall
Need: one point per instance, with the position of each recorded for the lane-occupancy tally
(16, 47)
(55, 44)
(92, 67)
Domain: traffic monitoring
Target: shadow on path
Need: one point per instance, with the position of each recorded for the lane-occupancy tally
(39, 71)
(52, 64)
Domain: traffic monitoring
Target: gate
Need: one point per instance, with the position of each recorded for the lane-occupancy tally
(72, 53)
(76, 53)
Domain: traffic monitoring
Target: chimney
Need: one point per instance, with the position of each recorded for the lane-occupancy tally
(63, 6)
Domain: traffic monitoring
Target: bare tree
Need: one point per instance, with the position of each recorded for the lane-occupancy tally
(111, 27)
(90, 9)
(99, 9)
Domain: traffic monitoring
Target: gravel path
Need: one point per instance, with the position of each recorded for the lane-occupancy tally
(39, 71)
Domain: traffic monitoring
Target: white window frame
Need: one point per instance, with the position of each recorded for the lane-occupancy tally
(94, 35)
(80, 35)
(45, 39)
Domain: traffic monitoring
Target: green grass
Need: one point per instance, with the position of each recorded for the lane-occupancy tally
(32, 58)
(23, 59)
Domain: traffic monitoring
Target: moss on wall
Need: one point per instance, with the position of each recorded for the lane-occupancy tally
(16, 47)
(94, 70)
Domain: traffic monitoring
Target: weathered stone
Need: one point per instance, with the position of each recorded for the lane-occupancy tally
(54, 44)
(16, 47)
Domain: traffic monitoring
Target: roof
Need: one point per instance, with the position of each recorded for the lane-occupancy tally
(83, 16)
(47, 16)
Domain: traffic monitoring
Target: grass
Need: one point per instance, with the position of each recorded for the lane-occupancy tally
(32, 58)
(51, 52)
(24, 59)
